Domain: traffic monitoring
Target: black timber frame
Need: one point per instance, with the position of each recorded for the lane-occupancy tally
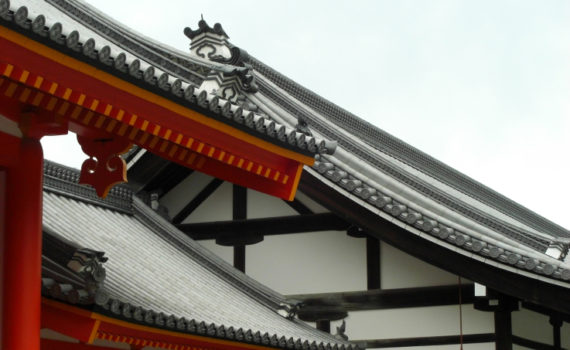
(154, 174)
(391, 298)
(519, 286)
(239, 212)
(197, 201)
(265, 226)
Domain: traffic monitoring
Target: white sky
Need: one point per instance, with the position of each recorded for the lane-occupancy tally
(483, 86)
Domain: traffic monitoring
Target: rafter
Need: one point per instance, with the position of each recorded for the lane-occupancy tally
(265, 226)
(390, 298)
(427, 341)
(197, 201)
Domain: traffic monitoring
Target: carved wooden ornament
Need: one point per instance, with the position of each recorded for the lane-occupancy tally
(104, 168)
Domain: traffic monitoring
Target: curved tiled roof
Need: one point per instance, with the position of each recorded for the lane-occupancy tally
(149, 70)
(384, 172)
(167, 280)
(376, 170)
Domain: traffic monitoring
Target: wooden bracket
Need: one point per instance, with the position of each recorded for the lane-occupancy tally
(104, 168)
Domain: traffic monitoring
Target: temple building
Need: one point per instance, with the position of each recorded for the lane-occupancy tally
(224, 206)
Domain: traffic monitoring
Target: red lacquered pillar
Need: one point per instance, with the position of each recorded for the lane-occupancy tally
(22, 258)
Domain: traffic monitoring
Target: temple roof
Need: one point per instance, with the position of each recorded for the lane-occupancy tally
(165, 279)
(382, 175)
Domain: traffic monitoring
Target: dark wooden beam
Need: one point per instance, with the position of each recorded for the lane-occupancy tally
(299, 207)
(239, 212)
(390, 298)
(427, 341)
(556, 322)
(145, 170)
(239, 202)
(503, 322)
(265, 226)
(373, 272)
(531, 344)
(197, 201)
(507, 282)
(546, 311)
(164, 181)
(239, 257)
(324, 325)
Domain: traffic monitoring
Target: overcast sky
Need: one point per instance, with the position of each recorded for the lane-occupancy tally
(483, 86)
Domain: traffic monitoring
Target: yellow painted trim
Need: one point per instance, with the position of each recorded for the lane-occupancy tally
(76, 111)
(296, 182)
(11, 89)
(154, 141)
(8, 70)
(163, 146)
(110, 320)
(94, 105)
(99, 121)
(148, 329)
(52, 88)
(24, 77)
(67, 93)
(100, 75)
(120, 115)
(94, 331)
(63, 108)
(38, 99)
(25, 95)
(51, 104)
(133, 120)
(111, 125)
(123, 129)
(38, 83)
(81, 99)
(108, 110)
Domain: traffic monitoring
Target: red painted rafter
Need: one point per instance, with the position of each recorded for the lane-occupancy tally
(80, 113)
(90, 326)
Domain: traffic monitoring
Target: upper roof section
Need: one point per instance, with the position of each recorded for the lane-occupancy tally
(187, 110)
(381, 173)
(165, 281)
(399, 182)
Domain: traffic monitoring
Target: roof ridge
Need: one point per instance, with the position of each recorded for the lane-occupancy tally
(413, 157)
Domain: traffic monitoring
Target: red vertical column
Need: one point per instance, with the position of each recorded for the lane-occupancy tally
(21, 287)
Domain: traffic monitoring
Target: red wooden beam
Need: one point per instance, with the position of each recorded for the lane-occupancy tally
(73, 322)
(21, 285)
(49, 344)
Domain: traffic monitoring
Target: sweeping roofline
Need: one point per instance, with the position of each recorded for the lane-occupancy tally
(386, 192)
(156, 80)
(62, 180)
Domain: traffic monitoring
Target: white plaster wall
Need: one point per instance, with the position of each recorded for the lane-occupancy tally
(187, 189)
(218, 206)
(401, 270)
(333, 262)
(261, 205)
(417, 322)
(318, 262)
(226, 253)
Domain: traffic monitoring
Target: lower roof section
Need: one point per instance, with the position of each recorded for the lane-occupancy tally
(158, 277)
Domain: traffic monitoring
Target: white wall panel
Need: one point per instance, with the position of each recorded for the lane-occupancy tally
(328, 261)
